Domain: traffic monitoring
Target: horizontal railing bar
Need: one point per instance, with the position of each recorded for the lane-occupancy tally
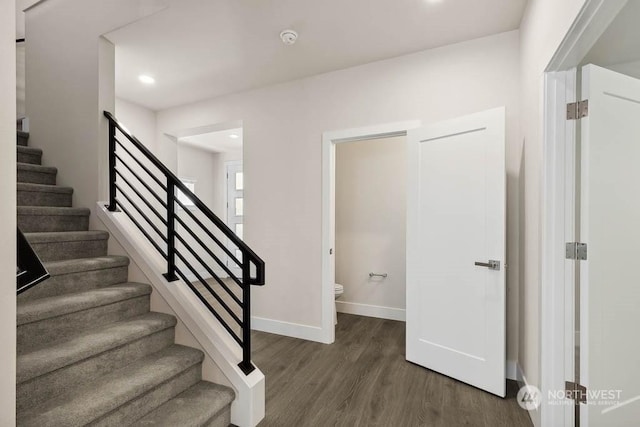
(155, 178)
(206, 248)
(141, 181)
(246, 250)
(155, 245)
(196, 291)
(206, 230)
(209, 270)
(156, 229)
(146, 202)
(215, 295)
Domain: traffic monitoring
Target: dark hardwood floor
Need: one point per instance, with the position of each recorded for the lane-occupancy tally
(363, 380)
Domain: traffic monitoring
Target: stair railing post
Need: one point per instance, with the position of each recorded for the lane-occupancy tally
(112, 167)
(246, 366)
(170, 275)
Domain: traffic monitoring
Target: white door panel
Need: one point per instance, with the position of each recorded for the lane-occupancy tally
(456, 217)
(610, 225)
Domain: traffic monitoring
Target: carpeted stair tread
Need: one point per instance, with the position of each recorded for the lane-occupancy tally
(66, 236)
(22, 138)
(82, 406)
(52, 218)
(30, 194)
(46, 308)
(58, 268)
(53, 211)
(91, 343)
(36, 168)
(192, 408)
(29, 155)
(44, 188)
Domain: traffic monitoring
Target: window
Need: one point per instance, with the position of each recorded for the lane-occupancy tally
(183, 198)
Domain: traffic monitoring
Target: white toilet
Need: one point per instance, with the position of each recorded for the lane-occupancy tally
(338, 291)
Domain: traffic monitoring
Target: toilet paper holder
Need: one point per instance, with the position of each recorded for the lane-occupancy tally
(383, 275)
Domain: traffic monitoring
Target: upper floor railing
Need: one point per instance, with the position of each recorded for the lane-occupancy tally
(198, 247)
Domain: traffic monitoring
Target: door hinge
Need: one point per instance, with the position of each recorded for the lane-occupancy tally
(577, 110)
(575, 391)
(576, 250)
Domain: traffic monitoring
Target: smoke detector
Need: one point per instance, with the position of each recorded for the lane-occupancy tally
(289, 37)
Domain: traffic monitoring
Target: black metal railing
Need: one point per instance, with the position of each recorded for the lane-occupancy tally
(188, 235)
(29, 271)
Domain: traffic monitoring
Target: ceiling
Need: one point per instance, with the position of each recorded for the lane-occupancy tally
(619, 47)
(198, 49)
(216, 142)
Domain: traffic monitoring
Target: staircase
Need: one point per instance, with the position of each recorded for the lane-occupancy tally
(90, 352)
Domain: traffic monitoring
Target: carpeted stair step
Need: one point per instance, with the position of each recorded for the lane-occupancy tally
(36, 174)
(29, 155)
(44, 195)
(22, 138)
(49, 320)
(203, 405)
(43, 373)
(37, 219)
(63, 245)
(81, 274)
(121, 396)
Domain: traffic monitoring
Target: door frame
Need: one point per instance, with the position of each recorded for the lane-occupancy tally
(329, 141)
(558, 205)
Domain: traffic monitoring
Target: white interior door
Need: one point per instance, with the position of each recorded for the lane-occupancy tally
(456, 218)
(610, 225)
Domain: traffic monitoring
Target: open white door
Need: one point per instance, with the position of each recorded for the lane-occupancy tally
(455, 219)
(610, 226)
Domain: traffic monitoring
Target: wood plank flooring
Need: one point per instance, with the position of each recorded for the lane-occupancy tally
(363, 380)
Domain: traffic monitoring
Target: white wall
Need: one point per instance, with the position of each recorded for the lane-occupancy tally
(139, 120)
(371, 181)
(543, 27)
(70, 81)
(7, 214)
(283, 126)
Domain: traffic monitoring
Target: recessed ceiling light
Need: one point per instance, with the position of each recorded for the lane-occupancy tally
(148, 80)
(234, 136)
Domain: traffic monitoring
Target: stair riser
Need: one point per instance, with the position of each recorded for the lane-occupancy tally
(39, 389)
(32, 158)
(137, 408)
(58, 251)
(36, 177)
(76, 282)
(41, 198)
(223, 419)
(43, 223)
(22, 140)
(39, 334)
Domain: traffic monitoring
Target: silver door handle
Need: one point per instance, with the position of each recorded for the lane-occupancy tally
(491, 265)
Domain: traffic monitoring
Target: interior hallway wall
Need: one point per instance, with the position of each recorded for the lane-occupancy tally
(7, 214)
(282, 129)
(141, 121)
(371, 205)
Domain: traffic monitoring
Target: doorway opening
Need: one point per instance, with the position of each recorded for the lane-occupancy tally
(360, 136)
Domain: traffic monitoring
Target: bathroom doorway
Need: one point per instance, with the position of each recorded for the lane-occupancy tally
(368, 295)
(370, 227)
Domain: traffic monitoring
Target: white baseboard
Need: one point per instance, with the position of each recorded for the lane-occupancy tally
(294, 330)
(371, 310)
(512, 370)
(534, 414)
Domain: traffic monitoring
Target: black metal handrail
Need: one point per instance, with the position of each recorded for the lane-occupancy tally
(163, 222)
(30, 271)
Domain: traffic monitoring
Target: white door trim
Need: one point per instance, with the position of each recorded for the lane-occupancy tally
(329, 141)
(558, 204)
